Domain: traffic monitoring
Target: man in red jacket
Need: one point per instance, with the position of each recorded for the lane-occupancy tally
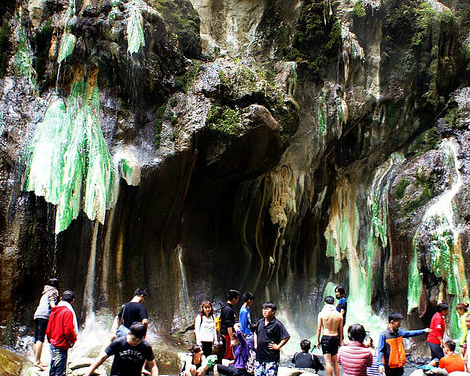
(61, 332)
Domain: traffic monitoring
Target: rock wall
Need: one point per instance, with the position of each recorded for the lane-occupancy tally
(277, 147)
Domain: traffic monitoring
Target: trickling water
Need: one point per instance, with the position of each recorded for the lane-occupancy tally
(89, 291)
(439, 224)
(184, 309)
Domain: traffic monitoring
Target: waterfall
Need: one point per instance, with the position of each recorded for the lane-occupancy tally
(184, 311)
(439, 224)
(90, 282)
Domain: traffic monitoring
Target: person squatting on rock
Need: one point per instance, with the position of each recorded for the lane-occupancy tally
(331, 321)
(269, 337)
(49, 299)
(61, 332)
(227, 318)
(204, 328)
(451, 361)
(390, 350)
(245, 317)
(355, 357)
(130, 352)
(133, 311)
(438, 327)
(305, 359)
(241, 351)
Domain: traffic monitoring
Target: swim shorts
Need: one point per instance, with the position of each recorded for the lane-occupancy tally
(330, 345)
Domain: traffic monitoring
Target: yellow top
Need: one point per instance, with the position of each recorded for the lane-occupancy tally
(463, 327)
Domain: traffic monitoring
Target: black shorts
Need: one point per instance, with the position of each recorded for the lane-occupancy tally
(330, 345)
(40, 326)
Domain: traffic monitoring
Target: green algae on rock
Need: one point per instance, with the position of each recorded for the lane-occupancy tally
(68, 161)
(68, 41)
(135, 27)
(23, 63)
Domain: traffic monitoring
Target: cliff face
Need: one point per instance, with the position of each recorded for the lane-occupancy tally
(279, 147)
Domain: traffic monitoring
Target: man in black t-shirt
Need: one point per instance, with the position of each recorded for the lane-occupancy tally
(130, 353)
(227, 320)
(133, 311)
(270, 336)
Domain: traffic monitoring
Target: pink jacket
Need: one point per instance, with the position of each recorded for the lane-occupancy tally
(355, 358)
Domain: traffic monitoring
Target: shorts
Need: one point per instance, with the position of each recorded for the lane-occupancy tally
(330, 345)
(230, 370)
(394, 371)
(40, 326)
(436, 351)
(266, 368)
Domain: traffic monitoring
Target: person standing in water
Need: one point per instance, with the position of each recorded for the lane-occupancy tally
(331, 322)
(62, 331)
(438, 327)
(342, 305)
(49, 299)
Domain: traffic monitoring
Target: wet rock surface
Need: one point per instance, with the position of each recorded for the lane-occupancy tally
(279, 148)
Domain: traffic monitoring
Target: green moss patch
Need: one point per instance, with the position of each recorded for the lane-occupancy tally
(359, 9)
(401, 187)
(224, 119)
(317, 39)
(184, 82)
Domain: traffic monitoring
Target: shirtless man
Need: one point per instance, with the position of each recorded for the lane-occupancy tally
(332, 323)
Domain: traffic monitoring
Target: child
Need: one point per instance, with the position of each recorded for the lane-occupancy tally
(304, 359)
(270, 336)
(373, 370)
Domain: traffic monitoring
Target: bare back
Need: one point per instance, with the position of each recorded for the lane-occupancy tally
(332, 322)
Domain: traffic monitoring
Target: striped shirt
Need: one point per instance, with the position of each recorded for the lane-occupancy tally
(355, 358)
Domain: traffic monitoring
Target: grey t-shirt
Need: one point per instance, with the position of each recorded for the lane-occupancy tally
(49, 295)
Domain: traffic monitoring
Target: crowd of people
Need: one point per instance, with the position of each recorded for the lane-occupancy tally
(246, 347)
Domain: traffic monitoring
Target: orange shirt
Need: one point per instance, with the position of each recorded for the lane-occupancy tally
(452, 362)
